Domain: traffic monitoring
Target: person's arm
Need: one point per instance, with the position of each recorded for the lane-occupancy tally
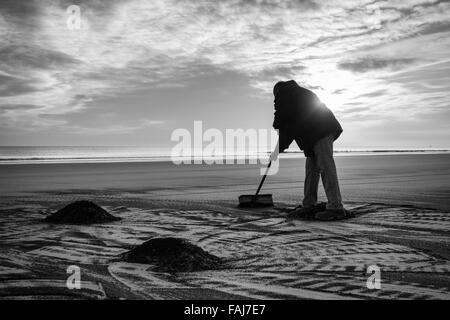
(285, 139)
(281, 120)
(277, 114)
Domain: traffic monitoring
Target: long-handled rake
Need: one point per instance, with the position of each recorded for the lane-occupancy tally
(257, 200)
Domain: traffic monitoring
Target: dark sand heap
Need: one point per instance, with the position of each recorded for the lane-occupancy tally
(81, 212)
(173, 255)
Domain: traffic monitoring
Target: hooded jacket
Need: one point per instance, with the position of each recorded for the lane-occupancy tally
(300, 116)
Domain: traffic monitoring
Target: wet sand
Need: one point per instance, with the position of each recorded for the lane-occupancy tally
(402, 224)
(421, 179)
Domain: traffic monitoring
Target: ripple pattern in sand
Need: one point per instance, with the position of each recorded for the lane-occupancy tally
(267, 255)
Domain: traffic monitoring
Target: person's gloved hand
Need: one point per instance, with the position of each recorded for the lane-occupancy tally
(273, 156)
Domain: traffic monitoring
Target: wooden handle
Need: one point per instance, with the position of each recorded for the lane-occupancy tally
(263, 178)
(267, 170)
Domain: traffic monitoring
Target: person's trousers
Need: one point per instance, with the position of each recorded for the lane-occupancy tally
(322, 165)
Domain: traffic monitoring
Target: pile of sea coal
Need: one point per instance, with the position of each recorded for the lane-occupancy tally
(173, 255)
(81, 212)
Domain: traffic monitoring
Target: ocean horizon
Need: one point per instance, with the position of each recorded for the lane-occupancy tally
(86, 154)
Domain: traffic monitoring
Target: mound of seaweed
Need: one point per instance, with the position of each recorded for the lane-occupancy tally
(173, 255)
(81, 212)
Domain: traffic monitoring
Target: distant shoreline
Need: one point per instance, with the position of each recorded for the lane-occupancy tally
(167, 158)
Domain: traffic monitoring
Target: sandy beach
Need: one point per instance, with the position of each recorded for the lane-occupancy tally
(401, 225)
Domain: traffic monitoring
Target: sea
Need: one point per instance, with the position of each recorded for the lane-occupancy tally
(86, 154)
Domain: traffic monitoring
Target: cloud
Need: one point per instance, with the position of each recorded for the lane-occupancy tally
(354, 110)
(33, 57)
(281, 72)
(23, 15)
(19, 107)
(373, 94)
(373, 63)
(386, 55)
(114, 129)
(12, 86)
(24, 60)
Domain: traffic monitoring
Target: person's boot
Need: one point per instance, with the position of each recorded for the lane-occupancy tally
(331, 214)
(306, 212)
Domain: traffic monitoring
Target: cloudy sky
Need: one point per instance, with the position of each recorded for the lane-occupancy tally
(138, 69)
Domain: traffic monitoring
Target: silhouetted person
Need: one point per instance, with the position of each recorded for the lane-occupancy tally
(300, 116)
